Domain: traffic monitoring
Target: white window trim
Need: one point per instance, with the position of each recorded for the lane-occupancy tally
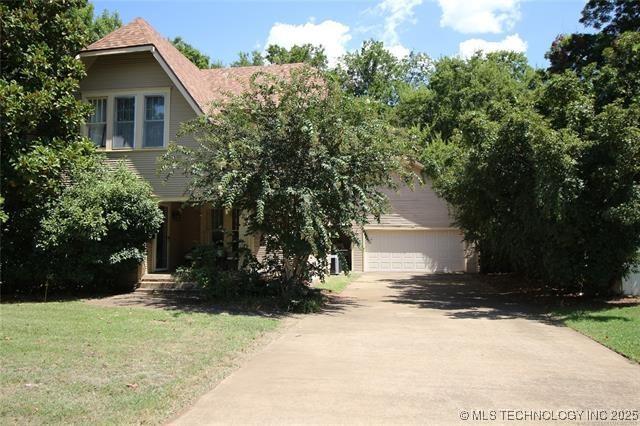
(138, 124)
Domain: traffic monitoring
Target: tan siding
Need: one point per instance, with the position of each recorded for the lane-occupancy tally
(420, 207)
(357, 255)
(139, 71)
(125, 71)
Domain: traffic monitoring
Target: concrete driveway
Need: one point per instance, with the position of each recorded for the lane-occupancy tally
(406, 349)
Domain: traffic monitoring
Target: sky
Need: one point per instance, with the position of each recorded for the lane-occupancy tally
(438, 28)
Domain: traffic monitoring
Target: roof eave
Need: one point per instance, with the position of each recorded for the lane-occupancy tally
(163, 64)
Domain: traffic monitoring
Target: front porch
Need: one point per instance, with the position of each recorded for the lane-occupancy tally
(185, 227)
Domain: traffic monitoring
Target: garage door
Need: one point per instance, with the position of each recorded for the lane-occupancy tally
(423, 251)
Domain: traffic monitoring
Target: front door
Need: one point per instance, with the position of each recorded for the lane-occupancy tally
(162, 242)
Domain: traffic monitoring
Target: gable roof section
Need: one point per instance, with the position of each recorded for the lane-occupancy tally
(202, 86)
(235, 80)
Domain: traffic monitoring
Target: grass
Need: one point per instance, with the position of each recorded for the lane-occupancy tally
(75, 363)
(617, 328)
(337, 283)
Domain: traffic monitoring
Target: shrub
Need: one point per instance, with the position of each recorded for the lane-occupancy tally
(97, 229)
(222, 281)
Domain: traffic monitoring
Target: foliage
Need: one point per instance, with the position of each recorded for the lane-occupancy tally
(301, 159)
(375, 72)
(97, 229)
(198, 58)
(222, 282)
(246, 59)
(210, 270)
(102, 24)
(493, 84)
(576, 51)
(40, 117)
(307, 53)
(541, 176)
(371, 71)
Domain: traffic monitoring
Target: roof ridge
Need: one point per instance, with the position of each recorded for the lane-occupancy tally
(202, 86)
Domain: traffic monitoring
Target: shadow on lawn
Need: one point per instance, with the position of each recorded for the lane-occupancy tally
(191, 302)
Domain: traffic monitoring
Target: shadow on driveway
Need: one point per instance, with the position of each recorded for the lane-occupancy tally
(465, 296)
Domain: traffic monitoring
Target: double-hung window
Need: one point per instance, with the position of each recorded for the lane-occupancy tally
(153, 131)
(124, 121)
(97, 124)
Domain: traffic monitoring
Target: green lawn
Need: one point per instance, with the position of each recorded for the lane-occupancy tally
(616, 328)
(337, 283)
(71, 362)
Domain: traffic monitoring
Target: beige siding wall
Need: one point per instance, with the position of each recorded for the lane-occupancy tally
(420, 207)
(357, 255)
(141, 71)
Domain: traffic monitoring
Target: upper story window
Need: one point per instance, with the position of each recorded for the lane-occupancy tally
(129, 120)
(124, 124)
(153, 132)
(97, 124)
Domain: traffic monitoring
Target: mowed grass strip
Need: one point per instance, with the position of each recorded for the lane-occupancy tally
(617, 328)
(75, 363)
(337, 283)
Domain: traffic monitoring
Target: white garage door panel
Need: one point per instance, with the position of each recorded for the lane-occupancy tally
(424, 251)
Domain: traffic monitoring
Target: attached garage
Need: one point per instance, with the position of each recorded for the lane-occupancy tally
(425, 251)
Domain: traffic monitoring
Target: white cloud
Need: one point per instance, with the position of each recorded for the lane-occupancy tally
(479, 16)
(511, 43)
(396, 13)
(332, 35)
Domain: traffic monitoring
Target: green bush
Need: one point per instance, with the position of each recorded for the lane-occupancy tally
(97, 229)
(212, 272)
(222, 280)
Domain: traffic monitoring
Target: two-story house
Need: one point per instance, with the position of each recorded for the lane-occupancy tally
(142, 88)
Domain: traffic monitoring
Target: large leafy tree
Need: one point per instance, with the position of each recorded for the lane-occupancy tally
(198, 58)
(371, 71)
(101, 25)
(42, 149)
(611, 18)
(40, 116)
(246, 59)
(307, 53)
(301, 159)
(542, 174)
(493, 84)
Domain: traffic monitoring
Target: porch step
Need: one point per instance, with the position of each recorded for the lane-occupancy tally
(163, 282)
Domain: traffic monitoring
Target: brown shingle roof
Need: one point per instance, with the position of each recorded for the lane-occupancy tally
(204, 86)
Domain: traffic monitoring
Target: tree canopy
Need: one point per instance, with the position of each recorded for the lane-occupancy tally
(41, 116)
(198, 58)
(303, 161)
(542, 170)
(102, 24)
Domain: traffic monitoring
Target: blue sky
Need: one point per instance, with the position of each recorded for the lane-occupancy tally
(437, 27)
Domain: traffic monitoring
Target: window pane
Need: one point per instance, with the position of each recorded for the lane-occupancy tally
(125, 109)
(154, 108)
(153, 133)
(97, 133)
(123, 129)
(123, 135)
(99, 110)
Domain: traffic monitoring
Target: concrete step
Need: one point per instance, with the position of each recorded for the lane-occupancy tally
(159, 285)
(158, 277)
